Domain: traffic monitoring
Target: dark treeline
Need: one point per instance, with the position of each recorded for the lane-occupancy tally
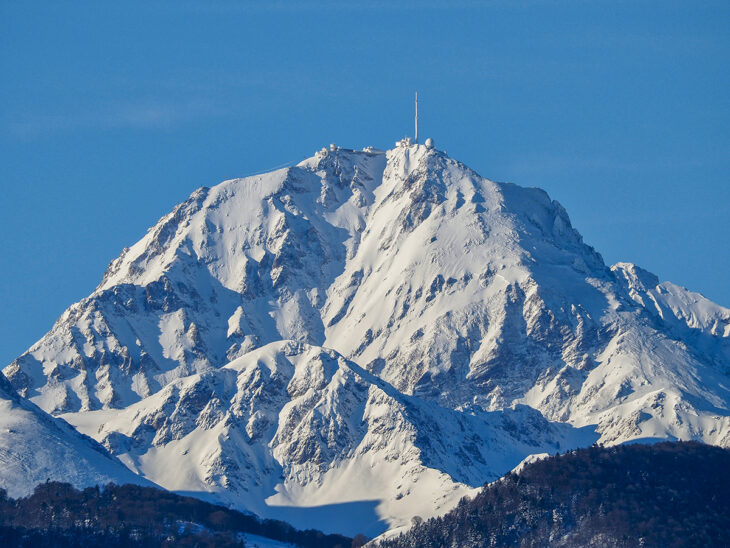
(57, 515)
(668, 495)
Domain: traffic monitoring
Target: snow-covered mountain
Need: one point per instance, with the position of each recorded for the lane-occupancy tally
(35, 447)
(387, 329)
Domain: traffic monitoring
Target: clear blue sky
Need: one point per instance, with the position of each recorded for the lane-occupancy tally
(112, 113)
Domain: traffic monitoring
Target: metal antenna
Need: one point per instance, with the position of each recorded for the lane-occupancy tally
(415, 140)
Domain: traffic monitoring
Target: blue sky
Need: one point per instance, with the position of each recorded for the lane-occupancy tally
(112, 113)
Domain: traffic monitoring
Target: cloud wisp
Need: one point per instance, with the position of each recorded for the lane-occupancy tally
(143, 115)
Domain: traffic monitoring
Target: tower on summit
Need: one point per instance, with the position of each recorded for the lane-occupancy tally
(407, 141)
(415, 138)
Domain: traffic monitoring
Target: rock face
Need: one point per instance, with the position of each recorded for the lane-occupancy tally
(35, 447)
(373, 326)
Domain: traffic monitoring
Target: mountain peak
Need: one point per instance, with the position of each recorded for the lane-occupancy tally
(283, 331)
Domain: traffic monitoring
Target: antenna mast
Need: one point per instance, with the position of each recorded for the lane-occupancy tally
(415, 140)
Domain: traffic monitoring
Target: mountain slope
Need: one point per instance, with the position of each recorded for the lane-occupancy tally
(294, 425)
(234, 267)
(669, 494)
(35, 447)
(431, 288)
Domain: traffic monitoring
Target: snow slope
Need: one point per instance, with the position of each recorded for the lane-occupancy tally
(255, 541)
(307, 336)
(35, 447)
(291, 424)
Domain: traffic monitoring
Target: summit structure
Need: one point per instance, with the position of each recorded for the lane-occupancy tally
(373, 334)
(415, 138)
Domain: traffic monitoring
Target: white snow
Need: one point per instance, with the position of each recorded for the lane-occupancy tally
(296, 432)
(35, 447)
(255, 541)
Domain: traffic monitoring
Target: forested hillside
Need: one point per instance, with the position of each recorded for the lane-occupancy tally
(669, 495)
(58, 515)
